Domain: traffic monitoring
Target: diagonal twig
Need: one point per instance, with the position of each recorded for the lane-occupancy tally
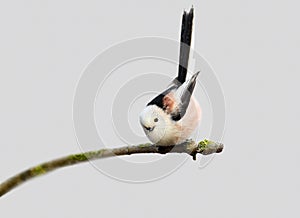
(190, 147)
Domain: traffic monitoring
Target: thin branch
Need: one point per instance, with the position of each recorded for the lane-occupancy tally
(190, 147)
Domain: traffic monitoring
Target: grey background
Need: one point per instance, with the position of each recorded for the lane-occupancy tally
(253, 47)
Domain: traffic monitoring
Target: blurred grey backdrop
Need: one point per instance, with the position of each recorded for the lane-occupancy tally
(253, 47)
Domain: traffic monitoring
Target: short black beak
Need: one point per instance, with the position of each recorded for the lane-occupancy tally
(149, 128)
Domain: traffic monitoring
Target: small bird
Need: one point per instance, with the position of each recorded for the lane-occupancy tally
(172, 116)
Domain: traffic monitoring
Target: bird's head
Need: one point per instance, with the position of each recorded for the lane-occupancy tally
(154, 122)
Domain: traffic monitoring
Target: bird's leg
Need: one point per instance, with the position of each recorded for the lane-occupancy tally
(165, 149)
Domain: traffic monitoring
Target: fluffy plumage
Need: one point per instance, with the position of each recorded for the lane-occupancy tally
(162, 129)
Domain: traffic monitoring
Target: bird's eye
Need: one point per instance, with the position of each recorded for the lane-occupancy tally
(155, 119)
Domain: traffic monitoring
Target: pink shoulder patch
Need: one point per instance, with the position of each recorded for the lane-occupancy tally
(169, 103)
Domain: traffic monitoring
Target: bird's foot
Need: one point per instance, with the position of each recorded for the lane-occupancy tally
(164, 149)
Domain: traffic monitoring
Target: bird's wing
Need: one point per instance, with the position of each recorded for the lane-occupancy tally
(185, 43)
(175, 100)
(182, 97)
(159, 100)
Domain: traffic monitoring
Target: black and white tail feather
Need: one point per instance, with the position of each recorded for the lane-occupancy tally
(185, 44)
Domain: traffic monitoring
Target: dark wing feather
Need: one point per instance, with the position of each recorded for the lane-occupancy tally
(176, 99)
(185, 95)
(159, 100)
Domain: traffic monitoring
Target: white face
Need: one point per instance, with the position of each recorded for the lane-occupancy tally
(154, 122)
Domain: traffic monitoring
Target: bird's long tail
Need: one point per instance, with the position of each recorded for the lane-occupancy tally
(185, 39)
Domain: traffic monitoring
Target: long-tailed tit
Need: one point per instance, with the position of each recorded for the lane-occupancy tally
(172, 116)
